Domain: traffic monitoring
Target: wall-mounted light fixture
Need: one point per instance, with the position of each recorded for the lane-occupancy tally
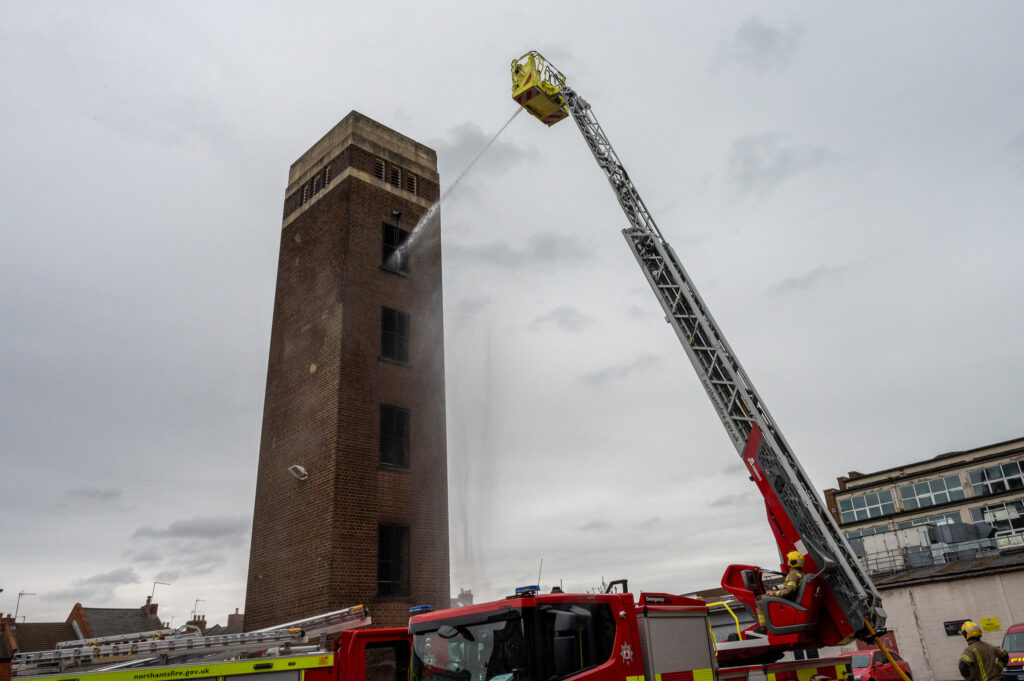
(298, 471)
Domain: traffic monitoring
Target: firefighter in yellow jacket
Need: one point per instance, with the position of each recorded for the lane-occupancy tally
(980, 661)
(795, 559)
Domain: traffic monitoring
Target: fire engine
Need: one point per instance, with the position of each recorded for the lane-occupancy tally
(286, 652)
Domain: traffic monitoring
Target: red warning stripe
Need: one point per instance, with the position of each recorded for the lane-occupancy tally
(677, 676)
(527, 96)
(551, 119)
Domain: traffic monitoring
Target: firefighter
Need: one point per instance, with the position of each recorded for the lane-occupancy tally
(980, 661)
(795, 559)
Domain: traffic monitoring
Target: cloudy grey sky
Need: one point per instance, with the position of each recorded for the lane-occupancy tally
(842, 181)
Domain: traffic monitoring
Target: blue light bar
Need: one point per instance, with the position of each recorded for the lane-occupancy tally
(527, 590)
(417, 609)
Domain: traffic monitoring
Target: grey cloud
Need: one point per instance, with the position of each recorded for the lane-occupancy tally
(95, 494)
(760, 47)
(146, 557)
(564, 317)
(618, 372)
(199, 528)
(759, 163)
(595, 525)
(471, 307)
(639, 312)
(203, 564)
(734, 468)
(733, 500)
(78, 594)
(97, 587)
(118, 576)
(167, 576)
(541, 250)
(467, 141)
(1015, 148)
(819, 276)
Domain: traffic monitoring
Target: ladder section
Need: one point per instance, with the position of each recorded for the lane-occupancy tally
(731, 392)
(327, 623)
(141, 645)
(125, 638)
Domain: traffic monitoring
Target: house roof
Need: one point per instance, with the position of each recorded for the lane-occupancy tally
(35, 636)
(220, 630)
(113, 621)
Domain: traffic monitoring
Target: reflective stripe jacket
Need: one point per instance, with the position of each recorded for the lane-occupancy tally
(791, 584)
(982, 662)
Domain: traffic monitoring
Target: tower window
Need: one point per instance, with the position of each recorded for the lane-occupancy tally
(305, 193)
(393, 255)
(394, 332)
(316, 184)
(394, 436)
(327, 175)
(392, 560)
(410, 183)
(378, 168)
(396, 177)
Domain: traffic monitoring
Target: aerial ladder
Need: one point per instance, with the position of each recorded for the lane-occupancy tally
(184, 645)
(838, 601)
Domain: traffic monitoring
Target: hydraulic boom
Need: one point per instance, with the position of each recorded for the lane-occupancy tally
(796, 513)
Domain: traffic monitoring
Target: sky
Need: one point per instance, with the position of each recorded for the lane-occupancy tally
(842, 181)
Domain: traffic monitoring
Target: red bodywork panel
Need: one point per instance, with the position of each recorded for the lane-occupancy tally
(350, 655)
(626, 660)
(820, 608)
(825, 668)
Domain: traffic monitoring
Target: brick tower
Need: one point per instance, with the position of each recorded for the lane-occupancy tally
(351, 493)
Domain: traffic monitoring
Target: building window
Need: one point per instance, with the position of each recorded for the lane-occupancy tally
(866, 506)
(867, 532)
(392, 560)
(394, 335)
(1007, 518)
(410, 183)
(327, 175)
(940, 519)
(316, 184)
(305, 193)
(931, 492)
(392, 255)
(999, 478)
(396, 177)
(394, 436)
(378, 169)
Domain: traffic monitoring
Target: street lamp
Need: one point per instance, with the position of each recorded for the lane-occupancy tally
(18, 604)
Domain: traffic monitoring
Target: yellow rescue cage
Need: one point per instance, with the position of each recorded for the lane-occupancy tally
(537, 86)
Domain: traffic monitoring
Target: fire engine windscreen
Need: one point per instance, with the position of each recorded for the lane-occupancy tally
(550, 641)
(467, 651)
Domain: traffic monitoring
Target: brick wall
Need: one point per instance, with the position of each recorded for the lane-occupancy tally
(916, 615)
(314, 544)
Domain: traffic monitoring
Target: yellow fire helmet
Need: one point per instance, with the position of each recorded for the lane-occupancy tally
(796, 559)
(970, 630)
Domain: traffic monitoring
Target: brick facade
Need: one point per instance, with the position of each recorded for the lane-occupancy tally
(315, 541)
